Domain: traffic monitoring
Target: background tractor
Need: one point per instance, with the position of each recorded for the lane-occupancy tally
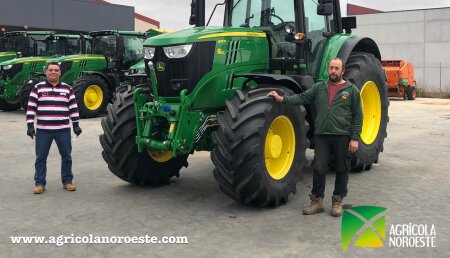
(95, 76)
(208, 93)
(21, 43)
(14, 72)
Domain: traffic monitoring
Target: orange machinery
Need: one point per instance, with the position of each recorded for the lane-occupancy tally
(400, 79)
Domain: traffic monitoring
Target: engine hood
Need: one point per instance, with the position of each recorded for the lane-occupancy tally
(197, 34)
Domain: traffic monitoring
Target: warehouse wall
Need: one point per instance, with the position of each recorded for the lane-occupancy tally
(74, 15)
(421, 37)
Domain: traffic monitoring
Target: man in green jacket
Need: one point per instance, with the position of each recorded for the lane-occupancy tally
(337, 129)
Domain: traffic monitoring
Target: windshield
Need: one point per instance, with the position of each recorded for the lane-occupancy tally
(257, 13)
(2, 44)
(104, 45)
(41, 45)
(15, 43)
(134, 50)
(61, 46)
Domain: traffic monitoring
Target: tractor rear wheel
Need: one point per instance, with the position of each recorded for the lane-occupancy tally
(92, 95)
(24, 93)
(260, 147)
(120, 150)
(365, 72)
(411, 93)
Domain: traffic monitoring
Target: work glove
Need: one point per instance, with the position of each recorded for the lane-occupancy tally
(31, 132)
(77, 130)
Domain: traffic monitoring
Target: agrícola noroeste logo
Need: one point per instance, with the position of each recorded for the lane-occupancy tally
(365, 226)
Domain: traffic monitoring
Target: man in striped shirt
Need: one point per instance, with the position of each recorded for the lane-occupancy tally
(53, 104)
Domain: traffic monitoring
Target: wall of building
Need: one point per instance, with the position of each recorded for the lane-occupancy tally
(72, 15)
(143, 26)
(421, 37)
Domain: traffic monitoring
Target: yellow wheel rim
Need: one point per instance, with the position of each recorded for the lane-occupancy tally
(279, 148)
(12, 102)
(371, 104)
(160, 155)
(93, 97)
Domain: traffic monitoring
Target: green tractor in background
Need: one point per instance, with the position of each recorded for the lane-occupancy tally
(95, 76)
(209, 89)
(14, 72)
(21, 43)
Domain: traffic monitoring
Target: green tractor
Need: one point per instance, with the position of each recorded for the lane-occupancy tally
(14, 72)
(96, 76)
(209, 89)
(21, 43)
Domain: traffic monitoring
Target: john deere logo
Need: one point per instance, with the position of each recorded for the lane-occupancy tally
(160, 66)
(364, 226)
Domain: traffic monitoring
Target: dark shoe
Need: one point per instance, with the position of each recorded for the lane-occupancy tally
(336, 207)
(38, 189)
(70, 187)
(316, 205)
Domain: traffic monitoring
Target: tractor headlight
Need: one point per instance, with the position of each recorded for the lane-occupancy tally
(149, 52)
(177, 51)
(7, 67)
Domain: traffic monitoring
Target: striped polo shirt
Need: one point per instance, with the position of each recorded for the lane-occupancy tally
(52, 106)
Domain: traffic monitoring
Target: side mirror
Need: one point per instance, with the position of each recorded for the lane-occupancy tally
(325, 9)
(193, 14)
(197, 17)
(348, 23)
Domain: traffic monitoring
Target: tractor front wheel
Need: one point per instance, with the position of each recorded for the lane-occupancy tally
(260, 147)
(92, 95)
(120, 150)
(8, 105)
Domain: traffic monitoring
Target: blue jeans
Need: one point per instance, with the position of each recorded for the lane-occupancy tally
(44, 139)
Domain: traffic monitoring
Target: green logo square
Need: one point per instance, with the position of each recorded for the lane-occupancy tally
(364, 226)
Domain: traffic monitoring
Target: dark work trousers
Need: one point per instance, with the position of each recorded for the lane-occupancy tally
(44, 139)
(325, 147)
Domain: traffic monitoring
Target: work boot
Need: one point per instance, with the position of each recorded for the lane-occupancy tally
(336, 207)
(70, 187)
(38, 189)
(316, 205)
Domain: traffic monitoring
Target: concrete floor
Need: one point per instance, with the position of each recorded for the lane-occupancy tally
(412, 181)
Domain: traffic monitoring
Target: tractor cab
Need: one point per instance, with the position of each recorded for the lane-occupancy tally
(65, 44)
(296, 30)
(121, 49)
(26, 43)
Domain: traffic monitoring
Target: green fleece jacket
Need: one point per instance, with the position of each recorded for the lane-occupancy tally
(343, 117)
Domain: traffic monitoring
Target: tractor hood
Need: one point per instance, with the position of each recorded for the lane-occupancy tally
(7, 55)
(76, 58)
(25, 60)
(138, 66)
(201, 34)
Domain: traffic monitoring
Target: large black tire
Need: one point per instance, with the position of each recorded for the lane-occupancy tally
(9, 106)
(361, 68)
(120, 149)
(239, 156)
(91, 83)
(411, 92)
(25, 90)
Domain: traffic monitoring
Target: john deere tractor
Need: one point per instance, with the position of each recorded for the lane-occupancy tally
(95, 76)
(209, 93)
(14, 72)
(21, 43)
